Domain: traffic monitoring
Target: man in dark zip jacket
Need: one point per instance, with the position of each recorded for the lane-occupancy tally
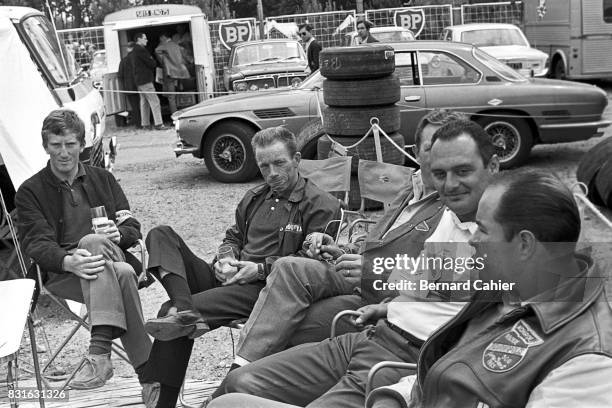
(272, 221)
(545, 343)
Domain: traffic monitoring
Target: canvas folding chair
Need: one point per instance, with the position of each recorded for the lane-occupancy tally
(78, 313)
(382, 182)
(332, 175)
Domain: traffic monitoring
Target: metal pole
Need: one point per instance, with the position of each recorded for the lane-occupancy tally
(260, 18)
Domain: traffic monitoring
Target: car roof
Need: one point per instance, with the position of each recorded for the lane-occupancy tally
(483, 26)
(417, 45)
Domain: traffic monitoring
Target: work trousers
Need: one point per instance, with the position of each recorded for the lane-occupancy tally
(170, 85)
(218, 304)
(332, 373)
(301, 297)
(111, 299)
(133, 101)
(149, 100)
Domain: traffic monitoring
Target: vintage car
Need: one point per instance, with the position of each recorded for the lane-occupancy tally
(506, 42)
(518, 112)
(384, 35)
(256, 65)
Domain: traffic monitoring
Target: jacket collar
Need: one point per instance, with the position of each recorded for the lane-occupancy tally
(570, 299)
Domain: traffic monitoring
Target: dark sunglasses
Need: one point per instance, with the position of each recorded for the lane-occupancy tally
(302, 34)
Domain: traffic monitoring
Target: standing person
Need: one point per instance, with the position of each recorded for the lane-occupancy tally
(55, 229)
(171, 58)
(363, 33)
(144, 75)
(126, 83)
(311, 46)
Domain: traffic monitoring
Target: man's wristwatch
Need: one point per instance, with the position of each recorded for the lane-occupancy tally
(261, 272)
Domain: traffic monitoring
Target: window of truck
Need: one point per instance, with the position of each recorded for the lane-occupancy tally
(607, 11)
(41, 36)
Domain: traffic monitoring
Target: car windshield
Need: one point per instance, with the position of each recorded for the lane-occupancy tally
(98, 60)
(314, 80)
(271, 51)
(497, 66)
(393, 36)
(42, 37)
(494, 36)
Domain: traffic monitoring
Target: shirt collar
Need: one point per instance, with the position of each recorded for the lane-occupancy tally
(80, 173)
(469, 226)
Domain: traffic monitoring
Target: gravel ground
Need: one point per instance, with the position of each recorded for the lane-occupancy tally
(180, 192)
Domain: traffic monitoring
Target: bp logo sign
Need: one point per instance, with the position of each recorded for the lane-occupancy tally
(412, 19)
(232, 32)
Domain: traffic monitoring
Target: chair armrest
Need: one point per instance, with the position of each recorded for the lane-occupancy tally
(340, 316)
(382, 365)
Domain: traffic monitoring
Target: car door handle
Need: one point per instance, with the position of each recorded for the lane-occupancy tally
(412, 98)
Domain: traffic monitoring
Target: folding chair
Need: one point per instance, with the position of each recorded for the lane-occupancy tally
(332, 175)
(74, 310)
(382, 182)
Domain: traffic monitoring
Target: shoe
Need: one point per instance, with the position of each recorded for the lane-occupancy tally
(94, 373)
(161, 127)
(150, 394)
(175, 325)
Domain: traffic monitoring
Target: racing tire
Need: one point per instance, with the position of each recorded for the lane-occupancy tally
(307, 138)
(366, 150)
(359, 62)
(228, 153)
(558, 69)
(356, 121)
(511, 137)
(366, 92)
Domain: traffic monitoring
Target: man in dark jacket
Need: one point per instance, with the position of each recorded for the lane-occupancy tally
(363, 32)
(126, 77)
(144, 75)
(55, 229)
(272, 221)
(544, 341)
(311, 46)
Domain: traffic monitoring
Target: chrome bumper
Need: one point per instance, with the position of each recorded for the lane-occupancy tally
(556, 126)
(182, 149)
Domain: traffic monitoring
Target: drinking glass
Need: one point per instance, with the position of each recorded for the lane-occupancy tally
(225, 254)
(99, 219)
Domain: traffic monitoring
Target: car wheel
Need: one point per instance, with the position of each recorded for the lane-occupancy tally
(228, 154)
(512, 139)
(359, 62)
(366, 150)
(365, 92)
(356, 121)
(307, 138)
(559, 69)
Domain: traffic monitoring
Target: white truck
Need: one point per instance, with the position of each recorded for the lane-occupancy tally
(38, 75)
(119, 29)
(576, 35)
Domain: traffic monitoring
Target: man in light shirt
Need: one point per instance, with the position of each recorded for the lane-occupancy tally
(546, 343)
(333, 373)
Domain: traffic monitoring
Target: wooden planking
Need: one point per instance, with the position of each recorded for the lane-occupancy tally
(118, 392)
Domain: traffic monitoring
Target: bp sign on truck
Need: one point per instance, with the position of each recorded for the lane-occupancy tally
(188, 26)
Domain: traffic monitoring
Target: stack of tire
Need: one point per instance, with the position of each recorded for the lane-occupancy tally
(360, 85)
(595, 171)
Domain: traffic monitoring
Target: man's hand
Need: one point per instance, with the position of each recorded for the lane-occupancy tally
(83, 264)
(219, 272)
(371, 313)
(322, 247)
(349, 265)
(111, 232)
(247, 272)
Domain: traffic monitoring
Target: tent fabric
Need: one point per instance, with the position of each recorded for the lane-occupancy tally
(24, 102)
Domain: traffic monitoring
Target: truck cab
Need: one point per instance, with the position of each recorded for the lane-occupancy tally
(189, 28)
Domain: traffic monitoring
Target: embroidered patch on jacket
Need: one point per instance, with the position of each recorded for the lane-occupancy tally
(508, 349)
(293, 228)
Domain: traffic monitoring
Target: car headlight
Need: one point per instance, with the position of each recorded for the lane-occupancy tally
(253, 88)
(240, 87)
(296, 81)
(177, 125)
